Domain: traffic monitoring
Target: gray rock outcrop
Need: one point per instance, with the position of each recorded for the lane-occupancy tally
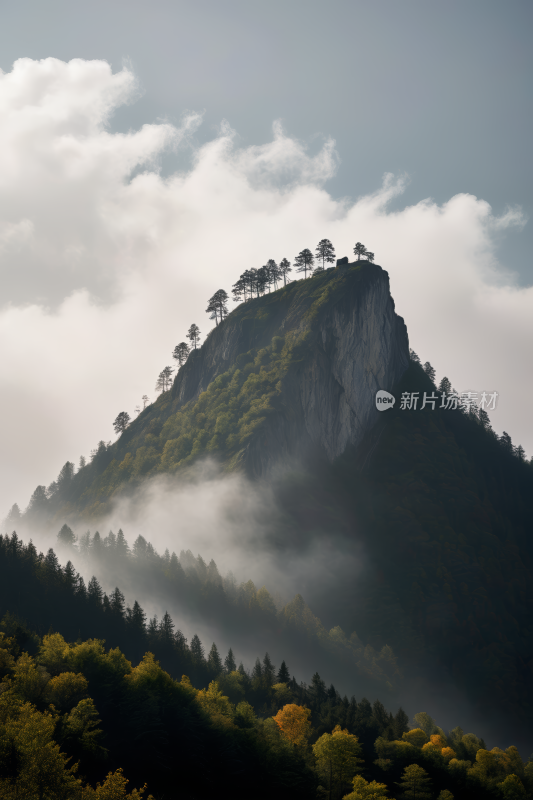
(357, 344)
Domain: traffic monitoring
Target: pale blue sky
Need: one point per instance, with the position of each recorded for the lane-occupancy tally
(439, 90)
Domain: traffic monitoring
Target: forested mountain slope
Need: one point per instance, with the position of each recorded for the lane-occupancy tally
(287, 375)
(435, 507)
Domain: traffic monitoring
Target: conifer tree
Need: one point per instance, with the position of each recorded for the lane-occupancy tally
(166, 628)
(180, 641)
(506, 442)
(94, 591)
(13, 518)
(66, 536)
(239, 289)
(217, 306)
(51, 562)
(121, 544)
(70, 576)
(430, 371)
(283, 675)
(269, 670)
(285, 268)
(153, 631)
(324, 252)
(214, 662)
(121, 422)
(445, 386)
(359, 250)
(229, 662)
(370, 256)
(401, 723)
(38, 502)
(117, 602)
(137, 618)
(181, 353)
(164, 379)
(193, 335)
(257, 671)
(197, 650)
(318, 689)
(415, 783)
(304, 262)
(484, 419)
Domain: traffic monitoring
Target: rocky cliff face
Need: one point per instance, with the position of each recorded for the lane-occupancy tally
(352, 343)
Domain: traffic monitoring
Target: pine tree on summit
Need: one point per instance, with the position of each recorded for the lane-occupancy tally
(324, 252)
(304, 262)
(285, 268)
(360, 250)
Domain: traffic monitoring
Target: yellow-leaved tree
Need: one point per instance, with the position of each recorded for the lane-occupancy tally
(367, 790)
(113, 788)
(217, 705)
(338, 759)
(293, 722)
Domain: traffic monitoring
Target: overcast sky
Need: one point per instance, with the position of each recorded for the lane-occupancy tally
(150, 152)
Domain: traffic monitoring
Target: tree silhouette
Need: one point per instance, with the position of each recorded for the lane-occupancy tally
(274, 273)
(66, 536)
(304, 262)
(229, 662)
(181, 352)
(193, 335)
(164, 379)
(145, 399)
(285, 268)
(121, 422)
(324, 252)
(430, 371)
(360, 250)
(240, 289)
(370, 256)
(217, 306)
(262, 279)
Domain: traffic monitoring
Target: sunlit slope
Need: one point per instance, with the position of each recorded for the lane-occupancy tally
(285, 375)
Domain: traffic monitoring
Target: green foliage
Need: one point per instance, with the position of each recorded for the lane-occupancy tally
(415, 783)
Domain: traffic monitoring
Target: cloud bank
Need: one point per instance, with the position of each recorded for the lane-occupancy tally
(105, 262)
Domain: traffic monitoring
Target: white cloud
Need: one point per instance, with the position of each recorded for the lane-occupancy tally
(107, 263)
